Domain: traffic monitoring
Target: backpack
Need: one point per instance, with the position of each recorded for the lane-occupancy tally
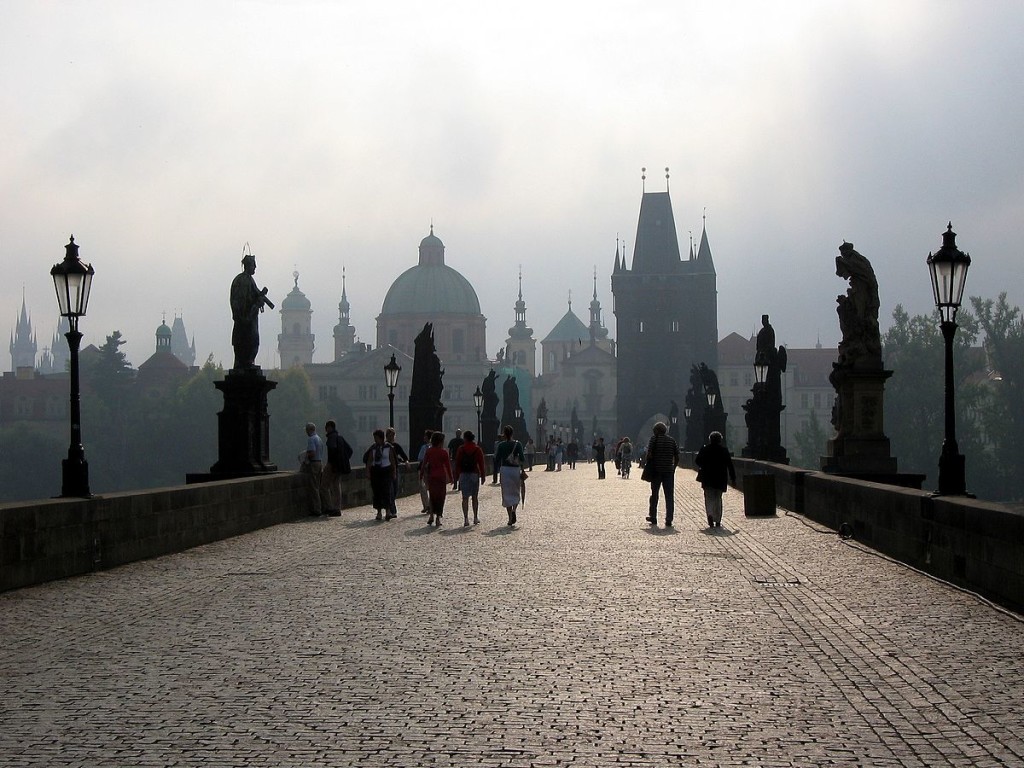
(338, 454)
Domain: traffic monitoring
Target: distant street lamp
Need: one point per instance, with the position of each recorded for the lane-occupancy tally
(542, 414)
(391, 371)
(948, 267)
(72, 279)
(478, 401)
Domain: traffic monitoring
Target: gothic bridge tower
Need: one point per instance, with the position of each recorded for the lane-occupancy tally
(666, 313)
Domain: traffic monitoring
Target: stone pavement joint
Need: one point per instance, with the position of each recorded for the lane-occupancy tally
(583, 637)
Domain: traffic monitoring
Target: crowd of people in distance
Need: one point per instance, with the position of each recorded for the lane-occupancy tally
(461, 463)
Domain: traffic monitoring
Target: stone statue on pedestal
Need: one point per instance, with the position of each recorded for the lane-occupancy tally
(860, 447)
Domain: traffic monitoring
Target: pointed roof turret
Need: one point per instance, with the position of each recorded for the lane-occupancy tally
(343, 305)
(520, 329)
(597, 330)
(23, 345)
(569, 328)
(704, 261)
(656, 250)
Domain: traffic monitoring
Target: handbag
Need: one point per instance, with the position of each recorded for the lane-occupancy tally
(648, 474)
(512, 460)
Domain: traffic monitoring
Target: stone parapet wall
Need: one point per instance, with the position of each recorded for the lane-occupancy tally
(974, 544)
(56, 538)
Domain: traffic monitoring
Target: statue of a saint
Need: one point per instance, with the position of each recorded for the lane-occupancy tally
(861, 347)
(488, 389)
(247, 301)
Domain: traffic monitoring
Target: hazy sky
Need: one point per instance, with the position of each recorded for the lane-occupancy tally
(165, 136)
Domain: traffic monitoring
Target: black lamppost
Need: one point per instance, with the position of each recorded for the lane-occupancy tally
(73, 280)
(478, 401)
(391, 371)
(948, 267)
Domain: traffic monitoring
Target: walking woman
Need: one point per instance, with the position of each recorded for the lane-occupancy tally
(508, 457)
(381, 466)
(436, 470)
(715, 464)
(660, 470)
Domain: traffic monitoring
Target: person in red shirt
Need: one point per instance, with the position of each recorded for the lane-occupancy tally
(436, 470)
(469, 463)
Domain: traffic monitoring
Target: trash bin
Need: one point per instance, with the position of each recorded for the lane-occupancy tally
(759, 495)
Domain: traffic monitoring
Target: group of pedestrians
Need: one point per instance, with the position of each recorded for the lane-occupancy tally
(462, 464)
(715, 472)
(326, 461)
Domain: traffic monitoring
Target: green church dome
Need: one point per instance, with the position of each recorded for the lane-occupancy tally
(431, 287)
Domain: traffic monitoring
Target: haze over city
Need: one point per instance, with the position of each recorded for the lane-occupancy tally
(330, 135)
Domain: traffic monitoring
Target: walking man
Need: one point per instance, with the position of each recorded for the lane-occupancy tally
(662, 458)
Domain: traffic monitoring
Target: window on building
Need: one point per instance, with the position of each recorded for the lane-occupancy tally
(675, 326)
(393, 338)
(362, 391)
(817, 399)
(748, 379)
(734, 379)
(640, 326)
(804, 400)
(458, 341)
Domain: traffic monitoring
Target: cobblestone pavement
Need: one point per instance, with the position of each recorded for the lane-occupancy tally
(584, 637)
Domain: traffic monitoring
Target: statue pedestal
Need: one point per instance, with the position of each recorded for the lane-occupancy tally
(860, 446)
(243, 427)
(489, 430)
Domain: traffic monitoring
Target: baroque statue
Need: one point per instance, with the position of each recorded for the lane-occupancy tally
(247, 301)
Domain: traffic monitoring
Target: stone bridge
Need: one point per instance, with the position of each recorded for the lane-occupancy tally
(583, 637)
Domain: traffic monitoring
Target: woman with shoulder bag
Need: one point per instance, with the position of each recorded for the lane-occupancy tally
(509, 457)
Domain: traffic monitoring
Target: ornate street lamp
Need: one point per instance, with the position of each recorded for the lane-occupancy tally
(760, 369)
(478, 401)
(948, 267)
(391, 371)
(72, 279)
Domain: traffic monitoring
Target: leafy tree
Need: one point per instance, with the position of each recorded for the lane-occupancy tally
(30, 461)
(810, 442)
(913, 348)
(291, 405)
(109, 404)
(193, 427)
(1003, 420)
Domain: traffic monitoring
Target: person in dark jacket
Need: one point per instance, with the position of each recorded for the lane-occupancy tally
(662, 458)
(716, 472)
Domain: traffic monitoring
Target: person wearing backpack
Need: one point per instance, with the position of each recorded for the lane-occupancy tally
(470, 466)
